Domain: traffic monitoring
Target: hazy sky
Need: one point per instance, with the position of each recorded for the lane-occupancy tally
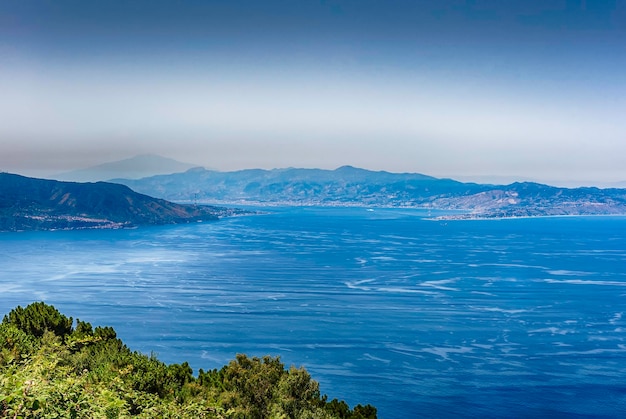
(527, 89)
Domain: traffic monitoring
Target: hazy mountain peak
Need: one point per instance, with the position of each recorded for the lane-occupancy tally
(137, 167)
(346, 167)
(198, 169)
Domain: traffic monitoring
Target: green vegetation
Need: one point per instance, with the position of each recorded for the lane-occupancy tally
(49, 369)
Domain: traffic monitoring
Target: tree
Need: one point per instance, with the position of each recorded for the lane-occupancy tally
(250, 384)
(48, 370)
(298, 394)
(38, 317)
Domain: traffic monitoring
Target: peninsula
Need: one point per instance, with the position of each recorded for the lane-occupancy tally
(40, 204)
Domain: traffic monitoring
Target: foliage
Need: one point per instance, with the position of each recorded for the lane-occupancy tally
(36, 318)
(50, 370)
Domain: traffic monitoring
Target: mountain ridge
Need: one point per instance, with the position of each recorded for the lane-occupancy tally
(349, 186)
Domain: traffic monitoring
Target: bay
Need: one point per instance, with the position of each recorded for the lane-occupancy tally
(422, 318)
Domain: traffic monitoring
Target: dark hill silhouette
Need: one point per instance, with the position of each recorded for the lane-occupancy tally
(40, 204)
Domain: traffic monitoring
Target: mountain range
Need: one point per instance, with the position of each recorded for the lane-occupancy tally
(29, 203)
(41, 204)
(350, 186)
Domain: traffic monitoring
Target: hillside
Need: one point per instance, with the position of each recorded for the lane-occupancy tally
(527, 199)
(39, 204)
(348, 186)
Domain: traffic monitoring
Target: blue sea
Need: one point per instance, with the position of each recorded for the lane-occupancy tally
(421, 318)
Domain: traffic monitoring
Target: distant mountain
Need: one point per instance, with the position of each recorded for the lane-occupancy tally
(133, 168)
(344, 185)
(352, 186)
(527, 199)
(39, 204)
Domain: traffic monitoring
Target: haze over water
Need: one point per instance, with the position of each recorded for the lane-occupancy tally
(497, 318)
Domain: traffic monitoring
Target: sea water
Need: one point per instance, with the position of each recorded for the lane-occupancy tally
(421, 318)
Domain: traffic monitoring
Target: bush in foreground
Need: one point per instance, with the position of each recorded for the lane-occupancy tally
(48, 368)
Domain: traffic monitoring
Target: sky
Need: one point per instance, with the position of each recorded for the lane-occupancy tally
(474, 90)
